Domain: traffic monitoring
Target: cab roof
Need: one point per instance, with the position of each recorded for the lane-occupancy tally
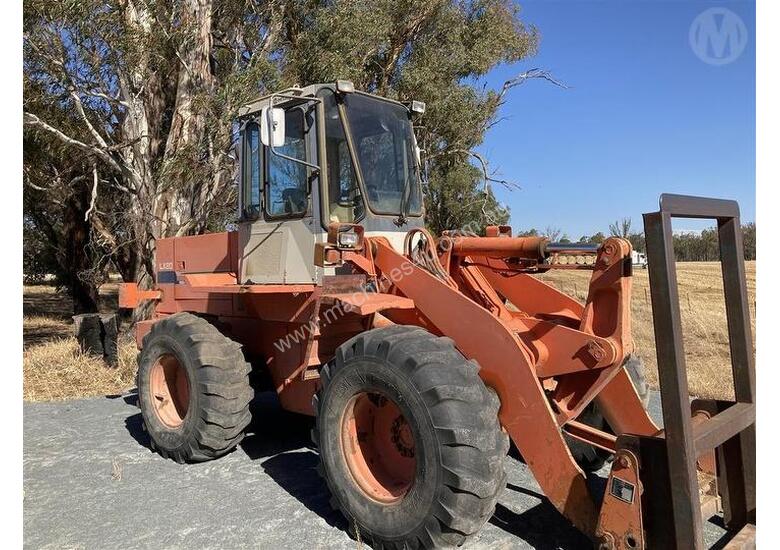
(311, 90)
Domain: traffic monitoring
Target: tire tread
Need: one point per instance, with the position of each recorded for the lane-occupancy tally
(222, 380)
(465, 418)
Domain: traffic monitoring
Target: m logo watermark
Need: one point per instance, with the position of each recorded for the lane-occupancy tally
(718, 36)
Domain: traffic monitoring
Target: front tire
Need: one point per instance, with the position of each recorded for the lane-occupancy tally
(409, 439)
(193, 389)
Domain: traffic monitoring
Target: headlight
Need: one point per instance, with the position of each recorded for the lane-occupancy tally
(348, 240)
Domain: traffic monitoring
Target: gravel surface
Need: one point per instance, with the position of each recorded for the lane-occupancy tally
(90, 481)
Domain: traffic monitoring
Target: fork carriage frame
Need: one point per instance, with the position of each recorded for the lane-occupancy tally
(728, 428)
(701, 439)
(547, 357)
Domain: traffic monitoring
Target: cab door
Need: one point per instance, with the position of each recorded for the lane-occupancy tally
(278, 227)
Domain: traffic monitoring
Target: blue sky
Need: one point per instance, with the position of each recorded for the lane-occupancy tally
(643, 115)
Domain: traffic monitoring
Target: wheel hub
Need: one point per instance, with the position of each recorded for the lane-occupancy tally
(170, 390)
(379, 447)
(402, 437)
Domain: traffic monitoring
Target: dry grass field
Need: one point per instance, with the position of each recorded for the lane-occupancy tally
(54, 368)
(703, 316)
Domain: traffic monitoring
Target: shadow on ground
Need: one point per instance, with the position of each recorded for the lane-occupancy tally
(48, 312)
(273, 431)
(46, 332)
(281, 442)
(45, 301)
(536, 524)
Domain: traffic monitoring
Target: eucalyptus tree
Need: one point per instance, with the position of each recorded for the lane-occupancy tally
(150, 87)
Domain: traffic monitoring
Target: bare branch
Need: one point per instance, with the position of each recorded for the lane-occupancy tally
(113, 182)
(107, 97)
(530, 74)
(29, 182)
(90, 127)
(488, 179)
(486, 174)
(95, 180)
(33, 120)
(174, 45)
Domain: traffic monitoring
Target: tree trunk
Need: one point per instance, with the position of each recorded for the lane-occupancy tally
(75, 253)
(180, 205)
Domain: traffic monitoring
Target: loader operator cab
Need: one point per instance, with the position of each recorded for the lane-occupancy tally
(312, 156)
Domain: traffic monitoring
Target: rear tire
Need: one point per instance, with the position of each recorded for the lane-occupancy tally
(193, 389)
(589, 458)
(409, 439)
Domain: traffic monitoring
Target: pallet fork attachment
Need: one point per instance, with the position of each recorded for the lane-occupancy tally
(653, 497)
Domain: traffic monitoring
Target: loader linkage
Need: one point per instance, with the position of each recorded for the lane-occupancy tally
(548, 357)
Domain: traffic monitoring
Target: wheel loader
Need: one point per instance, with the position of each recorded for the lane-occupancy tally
(421, 357)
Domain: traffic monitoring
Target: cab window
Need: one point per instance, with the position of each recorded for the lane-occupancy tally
(252, 170)
(287, 189)
(382, 134)
(345, 203)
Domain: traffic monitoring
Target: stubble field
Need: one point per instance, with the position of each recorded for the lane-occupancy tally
(55, 369)
(703, 312)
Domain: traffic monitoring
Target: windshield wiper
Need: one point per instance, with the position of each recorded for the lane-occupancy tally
(406, 194)
(402, 216)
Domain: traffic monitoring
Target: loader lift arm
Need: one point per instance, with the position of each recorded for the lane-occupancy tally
(545, 364)
(549, 357)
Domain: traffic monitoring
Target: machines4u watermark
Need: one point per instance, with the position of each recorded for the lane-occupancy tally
(718, 36)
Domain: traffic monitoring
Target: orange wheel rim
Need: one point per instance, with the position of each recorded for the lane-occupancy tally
(379, 447)
(170, 390)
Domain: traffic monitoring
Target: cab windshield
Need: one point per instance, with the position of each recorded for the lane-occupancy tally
(385, 148)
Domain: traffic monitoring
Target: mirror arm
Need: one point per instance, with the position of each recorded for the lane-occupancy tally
(314, 167)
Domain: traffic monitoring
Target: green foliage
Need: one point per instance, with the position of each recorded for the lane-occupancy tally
(622, 228)
(38, 258)
(595, 238)
(432, 51)
(703, 247)
(528, 233)
(57, 241)
(688, 246)
(152, 88)
(749, 240)
(637, 241)
(453, 202)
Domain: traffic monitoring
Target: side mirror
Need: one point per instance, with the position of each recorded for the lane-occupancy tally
(272, 127)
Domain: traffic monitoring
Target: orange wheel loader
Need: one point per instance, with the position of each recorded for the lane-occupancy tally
(422, 357)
